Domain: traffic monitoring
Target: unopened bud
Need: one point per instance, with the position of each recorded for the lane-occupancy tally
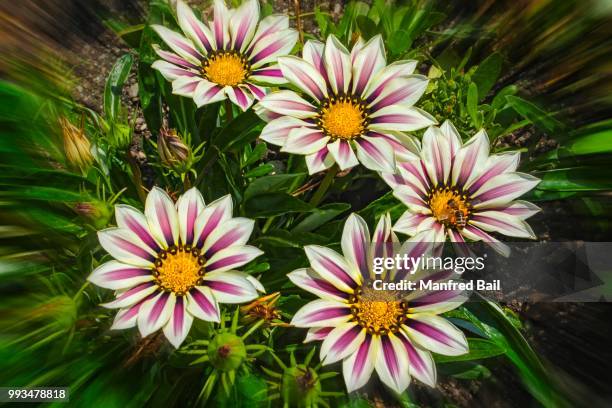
(301, 385)
(226, 351)
(172, 151)
(76, 145)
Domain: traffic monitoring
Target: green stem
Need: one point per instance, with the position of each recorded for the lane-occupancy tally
(328, 180)
(267, 225)
(229, 113)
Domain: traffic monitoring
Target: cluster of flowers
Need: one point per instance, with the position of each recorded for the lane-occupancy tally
(178, 261)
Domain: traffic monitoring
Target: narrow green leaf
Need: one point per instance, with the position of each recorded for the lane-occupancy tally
(537, 116)
(274, 184)
(472, 104)
(487, 73)
(321, 216)
(267, 205)
(114, 84)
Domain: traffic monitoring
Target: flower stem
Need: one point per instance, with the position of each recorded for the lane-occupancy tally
(328, 180)
(229, 113)
(298, 20)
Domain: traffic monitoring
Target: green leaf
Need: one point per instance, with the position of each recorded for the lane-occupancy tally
(487, 73)
(534, 114)
(114, 84)
(267, 205)
(399, 41)
(499, 101)
(320, 216)
(575, 179)
(241, 124)
(274, 184)
(260, 171)
(472, 104)
(258, 152)
(479, 349)
(367, 27)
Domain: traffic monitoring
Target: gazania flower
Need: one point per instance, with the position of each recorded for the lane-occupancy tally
(352, 100)
(229, 58)
(460, 191)
(175, 262)
(373, 330)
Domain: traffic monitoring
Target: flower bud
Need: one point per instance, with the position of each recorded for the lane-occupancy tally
(301, 385)
(226, 351)
(172, 151)
(76, 145)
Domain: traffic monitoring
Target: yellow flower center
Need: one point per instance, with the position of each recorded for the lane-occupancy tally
(179, 269)
(343, 118)
(226, 69)
(449, 207)
(379, 312)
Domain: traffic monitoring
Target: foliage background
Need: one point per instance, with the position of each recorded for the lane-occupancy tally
(535, 74)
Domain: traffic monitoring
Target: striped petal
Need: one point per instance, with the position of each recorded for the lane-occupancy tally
(367, 61)
(356, 243)
(132, 296)
(171, 71)
(207, 92)
(189, 206)
(259, 92)
(304, 140)
(240, 96)
(436, 334)
(343, 154)
(337, 64)
(476, 234)
(404, 91)
(436, 155)
(381, 80)
(453, 139)
(322, 313)
(422, 365)
(270, 47)
(411, 199)
(502, 189)
(186, 86)
(313, 54)
(312, 282)
(195, 30)
(470, 159)
(233, 232)
(405, 147)
(126, 247)
(304, 76)
(277, 131)
(116, 275)
(268, 75)
(126, 318)
(230, 286)
(220, 25)
(401, 118)
(155, 313)
(288, 103)
(521, 209)
(232, 257)
(503, 223)
(358, 367)
(202, 304)
(317, 334)
(130, 218)
(270, 25)
(179, 44)
(392, 363)
(174, 59)
(376, 154)
(243, 23)
(495, 165)
(213, 215)
(319, 161)
(411, 224)
(341, 342)
(162, 217)
(332, 267)
(180, 322)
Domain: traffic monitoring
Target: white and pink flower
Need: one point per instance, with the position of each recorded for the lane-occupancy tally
(232, 57)
(175, 262)
(353, 102)
(460, 191)
(372, 330)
